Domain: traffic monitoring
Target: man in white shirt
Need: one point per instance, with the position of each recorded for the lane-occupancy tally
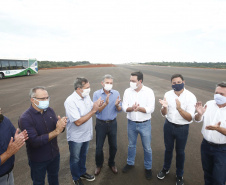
(139, 103)
(79, 111)
(213, 147)
(178, 106)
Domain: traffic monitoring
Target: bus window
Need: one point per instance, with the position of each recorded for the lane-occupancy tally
(5, 65)
(25, 64)
(12, 64)
(19, 65)
(0, 65)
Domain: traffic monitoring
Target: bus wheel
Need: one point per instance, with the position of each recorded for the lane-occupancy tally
(28, 73)
(1, 75)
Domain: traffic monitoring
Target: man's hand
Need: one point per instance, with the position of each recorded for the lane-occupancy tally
(107, 99)
(199, 108)
(97, 104)
(164, 103)
(14, 146)
(61, 124)
(22, 134)
(178, 104)
(136, 107)
(213, 127)
(117, 102)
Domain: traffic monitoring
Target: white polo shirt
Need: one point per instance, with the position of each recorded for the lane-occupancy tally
(187, 100)
(145, 98)
(75, 108)
(212, 116)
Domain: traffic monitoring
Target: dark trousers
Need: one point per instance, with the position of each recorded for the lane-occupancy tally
(178, 134)
(104, 129)
(39, 169)
(213, 163)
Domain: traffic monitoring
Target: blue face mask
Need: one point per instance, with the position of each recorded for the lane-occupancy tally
(43, 104)
(178, 87)
(219, 99)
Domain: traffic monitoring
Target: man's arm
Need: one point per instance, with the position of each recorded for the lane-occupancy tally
(187, 116)
(217, 127)
(14, 146)
(200, 110)
(61, 124)
(85, 118)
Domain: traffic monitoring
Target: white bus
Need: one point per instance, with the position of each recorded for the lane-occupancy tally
(11, 67)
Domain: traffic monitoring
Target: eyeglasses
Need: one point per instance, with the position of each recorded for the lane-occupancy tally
(45, 98)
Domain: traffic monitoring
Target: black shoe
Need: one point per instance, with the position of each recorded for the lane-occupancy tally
(180, 181)
(148, 174)
(127, 168)
(78, 182)
(161, 175)
(88, 177)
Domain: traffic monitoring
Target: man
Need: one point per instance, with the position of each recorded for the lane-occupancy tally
(42, 127)
(106, 123)
(213, 147)
(139, 103)
(178, 106)
(79, 110)
(10, 141)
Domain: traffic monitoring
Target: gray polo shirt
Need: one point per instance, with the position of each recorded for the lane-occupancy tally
(75, 108)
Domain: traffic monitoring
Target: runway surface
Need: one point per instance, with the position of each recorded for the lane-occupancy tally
(14, 100)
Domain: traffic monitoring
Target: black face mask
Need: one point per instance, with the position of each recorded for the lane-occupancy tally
(1, 117)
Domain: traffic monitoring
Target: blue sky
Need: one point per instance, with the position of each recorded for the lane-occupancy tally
(114, 31)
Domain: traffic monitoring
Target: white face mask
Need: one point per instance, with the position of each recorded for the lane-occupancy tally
(133, 85)
(219, 99)
(108, 87)
(85, 92)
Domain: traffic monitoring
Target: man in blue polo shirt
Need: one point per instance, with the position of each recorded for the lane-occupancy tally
(106, 124)
(42, 127)
(10, 141)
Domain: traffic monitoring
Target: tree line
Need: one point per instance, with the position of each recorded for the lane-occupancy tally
(219, 65)
(53, 64)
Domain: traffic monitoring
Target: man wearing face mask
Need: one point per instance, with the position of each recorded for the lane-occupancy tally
(10, 141)
(178, 107)
(79, 110)
(139, 103)
(213, 147)
(42, 127)
(106, 123)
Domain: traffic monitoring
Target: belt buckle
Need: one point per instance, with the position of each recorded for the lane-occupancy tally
(108, 121)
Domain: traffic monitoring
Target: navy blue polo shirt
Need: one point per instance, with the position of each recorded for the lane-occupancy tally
(38, 126)
(7, 130)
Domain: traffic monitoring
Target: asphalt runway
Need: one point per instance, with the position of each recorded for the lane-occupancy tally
(14, 100)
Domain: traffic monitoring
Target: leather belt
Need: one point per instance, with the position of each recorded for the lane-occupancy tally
(106, 121)
(177, 125)
(215, 144)
(141, 121)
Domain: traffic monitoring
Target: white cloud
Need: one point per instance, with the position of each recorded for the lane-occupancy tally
(114, 31)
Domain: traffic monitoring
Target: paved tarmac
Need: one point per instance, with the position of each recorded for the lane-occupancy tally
(14, 100)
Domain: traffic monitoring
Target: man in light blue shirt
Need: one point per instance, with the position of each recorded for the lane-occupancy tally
(106, 124)
(79, 111)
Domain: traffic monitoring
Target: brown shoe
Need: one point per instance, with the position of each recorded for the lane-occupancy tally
(97, 170)
(114, 169)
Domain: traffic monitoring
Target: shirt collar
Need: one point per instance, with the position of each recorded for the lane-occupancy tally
(77, 96)
(35, 111)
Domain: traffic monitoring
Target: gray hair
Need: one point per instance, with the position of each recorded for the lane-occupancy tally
(80, 82)
(33, 91)
(107, 76)
(221, 84)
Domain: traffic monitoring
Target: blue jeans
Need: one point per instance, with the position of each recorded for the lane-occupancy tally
(213, 163)
(179, 134)
(144, 129)
(104, 129)
(38, 171)
(78, 152)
